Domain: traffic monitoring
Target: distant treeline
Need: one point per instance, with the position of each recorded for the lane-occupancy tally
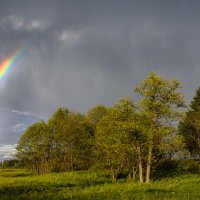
(128, 136)
(9, 163)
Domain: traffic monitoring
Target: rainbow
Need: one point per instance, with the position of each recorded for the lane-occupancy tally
(7, 64)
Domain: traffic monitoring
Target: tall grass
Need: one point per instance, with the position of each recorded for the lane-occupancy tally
(19, 184)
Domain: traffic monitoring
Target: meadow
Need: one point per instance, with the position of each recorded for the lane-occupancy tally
(19, 184)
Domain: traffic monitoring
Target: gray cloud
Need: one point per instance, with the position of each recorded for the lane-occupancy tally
(84, 53)
(7, 151)
(18, 23)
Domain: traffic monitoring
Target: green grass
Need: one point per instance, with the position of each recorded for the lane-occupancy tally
(13, 173)
(19, 184)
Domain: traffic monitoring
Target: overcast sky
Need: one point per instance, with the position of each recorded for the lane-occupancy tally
(81, 53)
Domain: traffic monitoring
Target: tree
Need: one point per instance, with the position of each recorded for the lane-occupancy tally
(195, 103)
(161, 105)
(71, 140)
(113, 146)
(64, 143)
(189, 126)
(93, 117)
(57, 130)
(95, 114)
(32, 148)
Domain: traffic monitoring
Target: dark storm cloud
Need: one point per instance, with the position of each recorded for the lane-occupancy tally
(84, 53)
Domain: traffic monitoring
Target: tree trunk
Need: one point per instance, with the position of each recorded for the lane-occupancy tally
(129, 177)
(134, 173)
(149, 164)
(72, 164)
(114, 178)
(140, 164)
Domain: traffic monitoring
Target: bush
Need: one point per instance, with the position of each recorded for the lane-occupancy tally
(171, 168)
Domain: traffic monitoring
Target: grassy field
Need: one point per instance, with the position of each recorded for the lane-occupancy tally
(19, 184)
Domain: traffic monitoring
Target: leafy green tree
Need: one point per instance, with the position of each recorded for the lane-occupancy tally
(64, 143)
(71, 140)
(95, 114)
(195, 103)
(113, 147)
(189, 126)
(138, 139)
(162, 106)
(32, 147)
(93, 117)
(57, 129)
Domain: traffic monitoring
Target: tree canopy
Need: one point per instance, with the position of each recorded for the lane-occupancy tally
(189, 126)
(129, 136)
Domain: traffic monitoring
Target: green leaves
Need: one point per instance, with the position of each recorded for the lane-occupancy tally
(95, 114)
(160, 99)
(32, 147)
(161, 105)
(64, 143)
(189, 128)
(124, 136)
(112, 138)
